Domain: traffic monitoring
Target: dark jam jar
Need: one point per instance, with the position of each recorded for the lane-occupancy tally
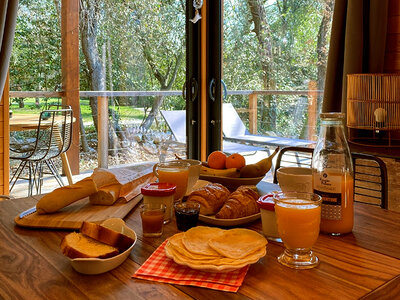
(187, 215)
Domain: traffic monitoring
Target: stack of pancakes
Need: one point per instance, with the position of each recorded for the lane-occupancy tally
(215, 249)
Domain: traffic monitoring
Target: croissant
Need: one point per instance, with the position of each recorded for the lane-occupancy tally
(210, 197)
(241, 203)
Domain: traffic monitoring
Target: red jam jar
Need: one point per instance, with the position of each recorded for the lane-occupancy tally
(266, 204)
(160, 192)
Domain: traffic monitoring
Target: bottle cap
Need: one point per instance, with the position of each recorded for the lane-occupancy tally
(159, 189)
(332, 115)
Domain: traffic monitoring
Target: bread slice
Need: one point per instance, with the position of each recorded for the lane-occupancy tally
(107, 236)
(77, 245)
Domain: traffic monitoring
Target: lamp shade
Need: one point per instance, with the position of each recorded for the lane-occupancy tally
(373, 109)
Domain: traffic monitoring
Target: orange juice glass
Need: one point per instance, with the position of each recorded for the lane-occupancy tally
(176, 172)
(298, 216)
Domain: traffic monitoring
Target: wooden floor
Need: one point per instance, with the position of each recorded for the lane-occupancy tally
(20, 189)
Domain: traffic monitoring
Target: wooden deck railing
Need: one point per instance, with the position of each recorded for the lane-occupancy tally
(102, 102)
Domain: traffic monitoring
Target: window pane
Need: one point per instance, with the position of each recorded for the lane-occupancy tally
(134, 47)
(277, 46)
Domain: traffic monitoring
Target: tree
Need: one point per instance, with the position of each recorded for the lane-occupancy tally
(36, 58)
(162, 43)
(322, 46)
(88, 21)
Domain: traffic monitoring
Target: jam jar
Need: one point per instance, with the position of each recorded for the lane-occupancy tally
(160, 192)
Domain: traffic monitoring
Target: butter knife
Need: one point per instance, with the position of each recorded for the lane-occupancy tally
(27, 212)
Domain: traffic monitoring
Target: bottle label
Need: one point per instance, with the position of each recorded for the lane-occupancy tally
(329, 187)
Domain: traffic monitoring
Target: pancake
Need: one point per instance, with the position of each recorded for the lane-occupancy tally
(237, 243)
(196, 239)
(222, 261)
(176, 243)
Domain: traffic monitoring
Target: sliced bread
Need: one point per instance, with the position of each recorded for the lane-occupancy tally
(77, 245)
(107, 236)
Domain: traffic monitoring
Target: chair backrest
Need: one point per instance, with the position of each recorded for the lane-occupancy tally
(232, 124)
(65, 123)
(370, 173)
(53, 134)
(176, 121)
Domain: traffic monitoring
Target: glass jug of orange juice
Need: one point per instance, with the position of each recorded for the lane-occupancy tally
(333, 176)
(176, 172)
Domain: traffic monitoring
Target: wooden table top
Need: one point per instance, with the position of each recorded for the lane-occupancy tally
(20, 122)
(364, 264)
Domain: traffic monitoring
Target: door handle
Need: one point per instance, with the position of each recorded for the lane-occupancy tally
(193, 90)
(211, 89)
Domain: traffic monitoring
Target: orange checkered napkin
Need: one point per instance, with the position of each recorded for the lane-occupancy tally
(158, 267)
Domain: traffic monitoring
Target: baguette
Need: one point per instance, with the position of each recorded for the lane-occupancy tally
(65, 195)
(119, 183)
(77, 245)
(106, 195)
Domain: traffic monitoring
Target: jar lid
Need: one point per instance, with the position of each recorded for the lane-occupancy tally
(267, 202)
(159, 189)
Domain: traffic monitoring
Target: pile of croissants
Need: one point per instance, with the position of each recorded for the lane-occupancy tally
(216, 199)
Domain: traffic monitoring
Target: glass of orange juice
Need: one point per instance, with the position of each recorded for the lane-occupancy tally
(298, 216)
(176, 172)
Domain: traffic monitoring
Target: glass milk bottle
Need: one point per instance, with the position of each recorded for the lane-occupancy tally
(333, 176)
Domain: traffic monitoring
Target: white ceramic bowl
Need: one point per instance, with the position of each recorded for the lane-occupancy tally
(295, 179)
(92, 266)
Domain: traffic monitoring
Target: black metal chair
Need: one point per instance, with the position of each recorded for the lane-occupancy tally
(37, 150)
(370, 173)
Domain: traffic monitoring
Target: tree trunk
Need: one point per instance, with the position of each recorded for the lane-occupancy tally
(153, 113)
(262, 31)
(322, 48)
(89, 14)
(166, 81)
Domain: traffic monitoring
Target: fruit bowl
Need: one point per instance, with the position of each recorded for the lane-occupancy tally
(231, 183)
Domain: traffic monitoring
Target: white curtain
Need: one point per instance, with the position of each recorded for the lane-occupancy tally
(8, 16)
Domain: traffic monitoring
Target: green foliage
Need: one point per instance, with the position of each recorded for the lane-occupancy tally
(141, 42)
(293, 33)
(36, 58)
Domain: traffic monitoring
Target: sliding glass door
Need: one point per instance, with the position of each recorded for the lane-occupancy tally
(274, 64)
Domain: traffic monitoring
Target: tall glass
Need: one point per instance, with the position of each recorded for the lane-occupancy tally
(176, 172)
(298, 216)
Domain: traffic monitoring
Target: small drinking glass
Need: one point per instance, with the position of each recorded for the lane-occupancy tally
(176, 172)
(187, 215)
(152, 215)
(298, 218)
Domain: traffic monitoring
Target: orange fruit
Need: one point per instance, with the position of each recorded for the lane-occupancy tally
(235, 160)
(216, 160)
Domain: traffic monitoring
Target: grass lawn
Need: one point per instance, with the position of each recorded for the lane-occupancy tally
(30, 107)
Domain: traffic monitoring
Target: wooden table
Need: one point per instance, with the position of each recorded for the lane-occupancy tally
(363, 264)
(20, 122)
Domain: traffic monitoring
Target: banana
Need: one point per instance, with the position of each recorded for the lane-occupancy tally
(232, 172)
(258, 169)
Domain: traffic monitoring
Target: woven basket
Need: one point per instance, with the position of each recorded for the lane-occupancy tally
(373, 109)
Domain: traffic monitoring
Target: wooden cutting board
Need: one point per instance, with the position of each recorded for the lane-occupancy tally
(72, 216)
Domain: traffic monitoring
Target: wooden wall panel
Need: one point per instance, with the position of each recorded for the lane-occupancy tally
(394, 7)
(4, 140)
(392, 56)
(393, 43)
